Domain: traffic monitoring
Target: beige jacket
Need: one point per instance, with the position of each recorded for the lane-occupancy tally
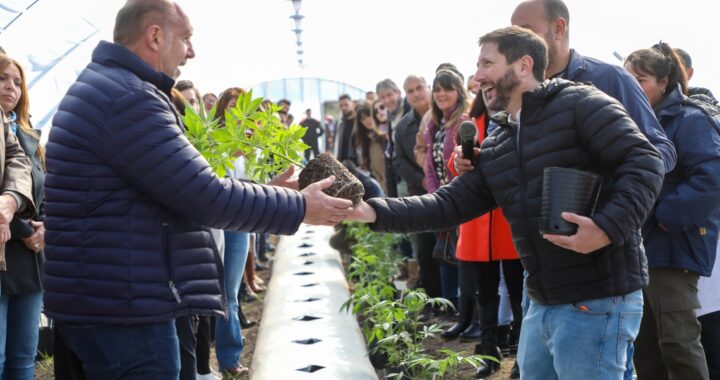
(14, 172)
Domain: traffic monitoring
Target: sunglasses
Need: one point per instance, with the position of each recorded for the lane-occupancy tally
(380, 108)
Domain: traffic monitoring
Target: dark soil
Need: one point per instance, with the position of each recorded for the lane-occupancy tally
(346, 186)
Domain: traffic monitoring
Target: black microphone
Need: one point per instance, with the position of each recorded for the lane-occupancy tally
(468, 133)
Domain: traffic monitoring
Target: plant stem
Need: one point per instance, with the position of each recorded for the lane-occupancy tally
(277, 154)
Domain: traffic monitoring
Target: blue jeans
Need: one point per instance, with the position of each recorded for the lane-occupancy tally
(19, 321)
(449, 281)
(581, 340)
(228, 334)
(112, 352)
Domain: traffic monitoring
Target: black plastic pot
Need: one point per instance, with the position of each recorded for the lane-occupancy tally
(567, 190)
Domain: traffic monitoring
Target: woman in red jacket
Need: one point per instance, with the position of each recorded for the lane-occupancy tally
(484, 244)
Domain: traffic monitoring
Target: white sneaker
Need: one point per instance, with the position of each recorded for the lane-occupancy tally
(208, 376)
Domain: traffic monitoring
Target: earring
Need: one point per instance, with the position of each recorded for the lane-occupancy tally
(663, 91)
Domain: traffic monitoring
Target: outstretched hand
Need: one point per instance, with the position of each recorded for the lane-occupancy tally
(283, 180)
(322, 209)
(588, 238)
(462, 164)
(363, 212)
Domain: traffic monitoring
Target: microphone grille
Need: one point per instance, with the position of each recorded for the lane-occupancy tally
(467, 129)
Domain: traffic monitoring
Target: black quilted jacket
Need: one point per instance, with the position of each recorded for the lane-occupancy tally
(567, 125)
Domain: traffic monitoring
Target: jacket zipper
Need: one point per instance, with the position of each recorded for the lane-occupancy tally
(523, 180)
(168, 254)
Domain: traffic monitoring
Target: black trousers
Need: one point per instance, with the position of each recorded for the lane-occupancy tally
(483, 278)
(429, 266)
(66, 364)
(186, 327)
(204, 336)
(710, 339)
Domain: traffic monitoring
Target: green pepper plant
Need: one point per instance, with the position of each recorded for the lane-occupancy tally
(251, 129)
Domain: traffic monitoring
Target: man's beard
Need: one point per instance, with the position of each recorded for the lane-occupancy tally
(503, 89)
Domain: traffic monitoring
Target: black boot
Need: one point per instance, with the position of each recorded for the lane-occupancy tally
(504, 338)
(465, 308)
(514, 337)
(489, 339)
(472, 333)
(244, 322)
(515, 371)
(489, 366)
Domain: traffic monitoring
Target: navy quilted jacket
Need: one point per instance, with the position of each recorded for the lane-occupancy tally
(688, 206)
(127, 199)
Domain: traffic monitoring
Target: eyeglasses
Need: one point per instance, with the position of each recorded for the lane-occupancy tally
(380, 108)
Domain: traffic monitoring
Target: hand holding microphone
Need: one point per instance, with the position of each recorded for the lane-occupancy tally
(465, 153)
(468, 138)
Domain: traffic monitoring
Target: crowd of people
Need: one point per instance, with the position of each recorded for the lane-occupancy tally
(120, 233)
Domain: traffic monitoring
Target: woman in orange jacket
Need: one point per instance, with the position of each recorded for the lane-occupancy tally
(484, 244)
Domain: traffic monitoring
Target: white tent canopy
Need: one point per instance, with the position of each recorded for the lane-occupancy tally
(243, 43)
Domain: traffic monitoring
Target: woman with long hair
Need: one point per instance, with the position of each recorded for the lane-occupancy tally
(681, 231)
(21, 299)
(228, 331)
(449, 106)
(371, 140)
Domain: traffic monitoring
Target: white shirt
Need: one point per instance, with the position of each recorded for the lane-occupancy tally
(709, 291)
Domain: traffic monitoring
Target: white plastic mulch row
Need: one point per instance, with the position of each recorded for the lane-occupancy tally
(303, 334)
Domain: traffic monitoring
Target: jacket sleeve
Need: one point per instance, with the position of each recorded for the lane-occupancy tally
(463, 199)
(608, 134)
(142, 142)
(695, 199)
(628, 92)
(403, 160)
(17, 175)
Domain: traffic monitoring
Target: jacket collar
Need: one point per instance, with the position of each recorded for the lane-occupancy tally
(29, 144)
(533, 100)
(576, 65)
(110, 54)
(671, 105)
(543, 91)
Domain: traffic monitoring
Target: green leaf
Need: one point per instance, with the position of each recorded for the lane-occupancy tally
(248, 129)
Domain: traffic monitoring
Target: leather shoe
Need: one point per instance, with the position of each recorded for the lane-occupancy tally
(515, 371)
(454, 331)
(472, 333)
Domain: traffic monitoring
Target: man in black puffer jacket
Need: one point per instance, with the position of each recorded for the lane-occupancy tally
(585, 298)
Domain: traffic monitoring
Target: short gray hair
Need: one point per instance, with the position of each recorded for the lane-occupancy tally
(386, 84)
(414, 77)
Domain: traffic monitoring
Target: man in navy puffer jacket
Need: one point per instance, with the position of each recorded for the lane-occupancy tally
(128, 199)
